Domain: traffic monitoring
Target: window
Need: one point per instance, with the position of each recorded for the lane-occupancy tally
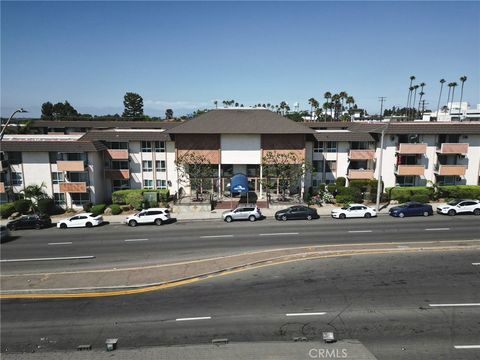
(59, 199)
(331, 146)
(317, 166)
(57, 177)
(73, 156)
(406, 180)
(119, 164)
(253, 170)
(161, 184)
(17, 178)
(120, 185)
(118, 145)
(148, 184)
(79, 199)
(318, 146)
(146, 146)
(78, 176)
(14, 157)
(53, 157)
(147, 165)
(331, 166)
(160, 165)
(159, 146)
(227, 170)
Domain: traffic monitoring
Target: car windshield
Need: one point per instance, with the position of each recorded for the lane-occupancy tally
(345, 207)
(453, 202)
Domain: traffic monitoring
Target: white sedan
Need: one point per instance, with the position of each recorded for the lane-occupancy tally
(80, 220)
(353, 211)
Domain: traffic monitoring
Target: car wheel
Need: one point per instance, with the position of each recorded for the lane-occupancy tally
(452, 212)
(309, 217)
(228, 219)
(342, 216)
(252, 218)
(38, 226)
(401, 215)
(476, 212)
(63, 226)
(11, 227)
(368, 215)
(88, 225)
(132, 223)
(284, 218)
(158, 222)
(426, 213)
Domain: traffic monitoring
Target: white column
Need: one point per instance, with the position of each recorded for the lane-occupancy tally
(261, 181)
(220, 189)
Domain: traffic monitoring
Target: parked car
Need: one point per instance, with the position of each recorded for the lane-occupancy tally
(30, 222)
(354, 211)
(460, 206)
(80, 220)
(251, 213)
(411, 209)
(297, 212)
(4, 233)
(157, 216)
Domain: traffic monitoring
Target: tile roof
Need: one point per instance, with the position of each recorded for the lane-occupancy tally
(132, 135)
(343, 136)
(105, 124)
(52, 145)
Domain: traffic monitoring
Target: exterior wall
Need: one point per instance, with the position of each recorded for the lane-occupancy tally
(472, 174)
(388, 162)
(136, 157)
(96, 176)
(205, 145)
(241, 149)
(171, 173)
(36, 170)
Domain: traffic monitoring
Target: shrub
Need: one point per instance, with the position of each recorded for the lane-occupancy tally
(402, 194)
(420, 198)
(22, 205)
(344, 199)
(331, 188)
(46, 206)
(460, 191)
(6, 210)
(125, 207)
(135, 200)
(120, 196)
(98, 209)
(362, 185)
(341, 181)
(349, 195)
(87, 207)
(116, 209)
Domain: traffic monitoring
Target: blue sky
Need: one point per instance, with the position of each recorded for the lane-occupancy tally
(184, 55)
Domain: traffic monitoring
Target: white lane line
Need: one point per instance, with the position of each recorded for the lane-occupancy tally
(194, 318)
(454, 305)
(467, 346)
(360, 231)
(215, 236)
(306, 314)
(50, 259)
(61, 243)
(276, 234)
(129, 240)
(437, 229)
(476, 264)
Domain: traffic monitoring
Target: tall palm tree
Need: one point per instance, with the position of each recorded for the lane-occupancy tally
(336, 104)
(343, 97)
(421, 93)
(449, 92)
(462, 79)
(410, 88)
(312, 102)
(442, 81)
(216, 104)
(454, 85)
(350, 101)
(415, 87)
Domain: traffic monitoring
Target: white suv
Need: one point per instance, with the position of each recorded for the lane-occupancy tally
(460, 206)
(251, 213)
(155, 216)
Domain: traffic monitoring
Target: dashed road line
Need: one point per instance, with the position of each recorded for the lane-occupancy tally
(215, 236)
(476, 264)
(61, 243)
(50, 259)
(132, 240)
(360, 231)
(454, 305)
(277, 234)
(194, 318)
(467, 346)
(437, 229)
(306, 314)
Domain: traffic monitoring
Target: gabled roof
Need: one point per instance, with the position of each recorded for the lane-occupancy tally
(60, 146)
(240, 121)
(127, 135)
(343, 136)
(104, 124)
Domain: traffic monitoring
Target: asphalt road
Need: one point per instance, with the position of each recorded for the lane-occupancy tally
(116, 245)
(382, 300)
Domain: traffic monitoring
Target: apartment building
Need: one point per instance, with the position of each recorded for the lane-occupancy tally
(80, 161)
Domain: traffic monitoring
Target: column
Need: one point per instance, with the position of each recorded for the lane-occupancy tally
(261, 181)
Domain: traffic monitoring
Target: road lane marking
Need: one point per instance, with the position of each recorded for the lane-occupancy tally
(437, 229)
(130, 240)
(467, 346)
(306, 314)
(276, 234)
(360, 231)
(194, 318)
(214, 236)
(476, 264)
(61, 243)
(50, 259)
(454, 305)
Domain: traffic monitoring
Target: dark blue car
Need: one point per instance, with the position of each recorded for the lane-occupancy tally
(411, 209)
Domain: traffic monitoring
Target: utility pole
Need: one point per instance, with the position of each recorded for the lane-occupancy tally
(423, 106)
(382, 100)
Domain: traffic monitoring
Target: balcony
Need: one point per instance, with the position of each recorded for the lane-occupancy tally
(361, 154)
(357, 174)
(117, 174)
(73, 187)
(410, 170)
(117, 154)
(449, 170)
(405, 148)
(2, 187)
(77, 165)
(453, 148)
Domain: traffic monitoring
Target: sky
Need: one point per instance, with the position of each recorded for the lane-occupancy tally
(185, 55)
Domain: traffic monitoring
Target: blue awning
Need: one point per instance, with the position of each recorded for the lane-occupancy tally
(239, 183)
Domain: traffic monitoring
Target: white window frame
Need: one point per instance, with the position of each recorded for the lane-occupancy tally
(18, 181)
(147, 148)
(159, 184)
(160, 168)
(318, 146)
(148, 181)
(161, 146)
(147, 167)
(58, 177)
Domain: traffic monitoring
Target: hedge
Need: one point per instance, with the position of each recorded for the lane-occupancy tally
(22, 206)
(46, 206)
(135, 200)
(116, 209)
(340, 181)
(6, 210)
(120, 196)
(404, 194)
(348, 195)
(459, 191)
(98, 209)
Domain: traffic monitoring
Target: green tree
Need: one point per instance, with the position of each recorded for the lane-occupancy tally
(133, 104)
(47, 110)
(169, 114)
(442, 81)
(35, 193)
(194, 170)
(462, 79)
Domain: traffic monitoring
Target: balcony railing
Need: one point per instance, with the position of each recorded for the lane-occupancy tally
(410, 170)
(117, 154)
(117, 174)
(449, 170)
(361, 154)
(360, 174)
(453, 148)
(73, 187)
(406, 148)
(74, 165)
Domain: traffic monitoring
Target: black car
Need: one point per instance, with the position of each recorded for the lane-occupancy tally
(297, 212)
(30, 222)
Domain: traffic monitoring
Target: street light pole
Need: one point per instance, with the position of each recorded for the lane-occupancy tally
(2, 133)
(379, 181)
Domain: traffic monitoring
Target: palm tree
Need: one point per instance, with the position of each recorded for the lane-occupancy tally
(462, 79)
(312, 103)
(415, 87)
(449, 92)
(35, 192)
(410, 88)
(336, 104)
(343, 96)
(442, 81)
(350, 102)
(454, 85)
(216, 104)
(422, 85)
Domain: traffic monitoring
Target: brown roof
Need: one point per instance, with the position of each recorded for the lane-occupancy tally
(105, 124)
(343, 136)
(240, 121)
(132, 135)
(456, 127)
(62, 146)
